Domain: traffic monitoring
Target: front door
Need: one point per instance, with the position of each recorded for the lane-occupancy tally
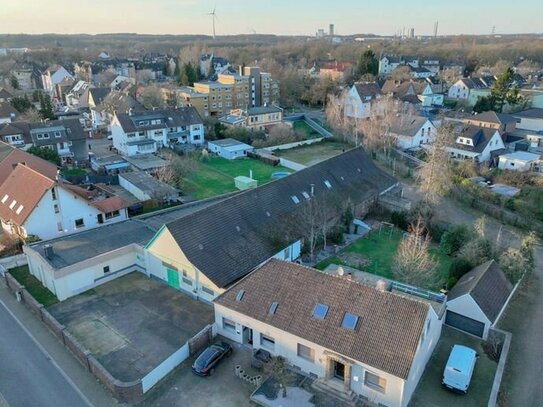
(173, 278)
(339, 370)
(247, 336)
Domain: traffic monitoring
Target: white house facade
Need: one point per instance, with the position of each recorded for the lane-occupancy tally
(412, 131)
(475, 143)
(521, 161)
(146, 133)
(359, 99)
(251, 311)
(229, 148)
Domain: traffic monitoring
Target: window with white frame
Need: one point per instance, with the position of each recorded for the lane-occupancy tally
(375, 382)
(228, 325)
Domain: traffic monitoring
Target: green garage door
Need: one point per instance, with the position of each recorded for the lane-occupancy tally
(173, 278)
(466, 324)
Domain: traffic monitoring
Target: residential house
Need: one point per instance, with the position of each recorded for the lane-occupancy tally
(350, 336)
(432, 64)
(531, 119)
(412, 131)
(7, 113)
(407, 91)
(478, 299)
(229, 148)
(75, 94)
(188, 96)
(213, 65)
(476, 143)
(207, 251)
(521, 161)
(53, 76)
(204, 260)
(34, 204)
(504, 123)
(66, 137)
(219, 97)
(419, 72)
(432, 95)
(463, 87)
(145, 187)
(336, 70)
(239, 119)
(16, 134)
(5, 96)
(147, 132)
(359, 99)
(27, 77)
(389, 63)
(261, 118)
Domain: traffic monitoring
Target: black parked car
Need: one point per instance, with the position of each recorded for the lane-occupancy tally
(204, 364)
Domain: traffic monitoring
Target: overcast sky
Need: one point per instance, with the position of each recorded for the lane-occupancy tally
(291, 17)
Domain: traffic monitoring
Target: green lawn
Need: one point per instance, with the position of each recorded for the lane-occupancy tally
(430, 392)
(379, 249)
(314, 153)
(308, 131)
(74, 171)
(216, 175)
(34, 286)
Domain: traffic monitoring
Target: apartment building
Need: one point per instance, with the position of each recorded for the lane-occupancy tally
(219, 97)
(188, 96)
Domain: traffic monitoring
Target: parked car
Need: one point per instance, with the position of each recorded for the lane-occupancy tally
(204, 365)
(459, 368)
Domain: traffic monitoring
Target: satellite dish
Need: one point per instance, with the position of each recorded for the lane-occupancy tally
(340, 271)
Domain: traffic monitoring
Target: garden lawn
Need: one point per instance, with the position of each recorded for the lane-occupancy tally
(33, 285)
(314, 153)
(306, 129)
(215, 176)
(380, 249)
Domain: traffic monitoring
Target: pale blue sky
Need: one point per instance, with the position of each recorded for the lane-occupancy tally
(270, 16)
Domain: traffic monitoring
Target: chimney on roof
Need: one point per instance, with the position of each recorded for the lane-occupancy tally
(312, 190)
(48, 251)
(381, 285)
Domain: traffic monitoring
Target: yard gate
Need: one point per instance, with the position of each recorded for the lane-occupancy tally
(200, 340)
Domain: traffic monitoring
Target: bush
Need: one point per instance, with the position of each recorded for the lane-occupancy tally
(453, 239)
(459, 267)
(436, 230)
(335, 236)
(451, 282)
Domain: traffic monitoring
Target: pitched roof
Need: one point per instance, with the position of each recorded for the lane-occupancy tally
(480, 137)
(97, 199)
(263, 110)
(4, 94)
(493, 117)
(21, 192)
(11, 156)
(6, 110)
(99, 94)
(386, 335)
(474, 83)
(488, 286)
(399, 90)
(185, 116)
(407, 125)
(533, 113)
(13, 128)
(236, 231)
(367, 89)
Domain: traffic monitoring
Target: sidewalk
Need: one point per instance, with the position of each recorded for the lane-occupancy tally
(84, 380)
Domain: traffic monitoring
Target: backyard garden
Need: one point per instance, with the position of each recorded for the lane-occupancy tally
(314, 153)
(215, 175)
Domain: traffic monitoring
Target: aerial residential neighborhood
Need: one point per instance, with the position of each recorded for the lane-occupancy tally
(285, 204)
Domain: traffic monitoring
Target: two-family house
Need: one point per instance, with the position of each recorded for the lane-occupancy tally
(411, 131)
(480, 144)
(463, 87)
(389, 63)
(147, 132)
(359, 99)
(504, 123)
(53, 76)
(33, 204)
(352, 337)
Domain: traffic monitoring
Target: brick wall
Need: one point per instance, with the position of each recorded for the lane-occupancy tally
(31, 303)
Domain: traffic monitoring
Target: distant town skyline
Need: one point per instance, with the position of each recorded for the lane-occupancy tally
(303, 17)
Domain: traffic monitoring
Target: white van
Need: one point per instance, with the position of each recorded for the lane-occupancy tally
(459, 368)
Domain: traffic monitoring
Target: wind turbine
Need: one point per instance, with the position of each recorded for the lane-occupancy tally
(213, 17)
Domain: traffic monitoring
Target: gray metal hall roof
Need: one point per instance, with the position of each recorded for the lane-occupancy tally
(226, 241)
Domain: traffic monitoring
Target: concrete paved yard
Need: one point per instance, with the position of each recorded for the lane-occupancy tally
(223, 389)
(133, 323)
(430, 392)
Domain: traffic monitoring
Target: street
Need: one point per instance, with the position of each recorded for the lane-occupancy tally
(28, 377)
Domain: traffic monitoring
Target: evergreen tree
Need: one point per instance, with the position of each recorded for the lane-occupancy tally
(46, 111)
(368, 64)
(504, 91)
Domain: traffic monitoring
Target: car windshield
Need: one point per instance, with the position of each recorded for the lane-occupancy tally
(204, 358)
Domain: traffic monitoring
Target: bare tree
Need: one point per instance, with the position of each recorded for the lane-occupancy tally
(413, 263)
(435, 175)
(152, 97)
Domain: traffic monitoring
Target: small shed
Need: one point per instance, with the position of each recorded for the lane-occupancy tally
(145, 187)
(478, 299)
(520, 161)
(243, 183)
(229, 148)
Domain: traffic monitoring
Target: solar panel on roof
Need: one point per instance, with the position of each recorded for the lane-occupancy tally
(320, 311)
(349, 321)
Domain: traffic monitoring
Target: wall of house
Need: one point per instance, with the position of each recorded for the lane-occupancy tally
(83, 276)
(427, 345)
(291, 252)
(355, 107)
(406, 142)
(133, 189)
(465, 305)
(514, 165)
(458, 91)
(286, 345)
(530, 124)
(164, 249)
(495, 143)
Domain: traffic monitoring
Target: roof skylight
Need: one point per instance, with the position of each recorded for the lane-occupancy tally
(320, 311)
